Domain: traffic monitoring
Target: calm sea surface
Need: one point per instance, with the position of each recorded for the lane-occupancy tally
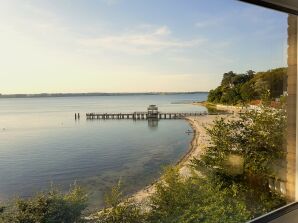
(41, 143)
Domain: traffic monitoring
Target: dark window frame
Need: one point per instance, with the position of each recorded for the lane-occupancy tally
(266, 4)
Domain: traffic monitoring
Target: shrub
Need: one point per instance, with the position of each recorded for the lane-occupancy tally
(48, 207)
(118, 209)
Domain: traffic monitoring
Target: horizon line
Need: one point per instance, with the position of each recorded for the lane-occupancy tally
(30, 95)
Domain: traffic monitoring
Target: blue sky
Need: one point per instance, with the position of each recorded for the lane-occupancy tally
(134, 45)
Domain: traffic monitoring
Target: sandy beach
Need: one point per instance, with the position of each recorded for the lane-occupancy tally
(222, 107)
(198, 144)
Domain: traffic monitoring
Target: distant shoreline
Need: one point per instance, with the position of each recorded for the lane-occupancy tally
(50, 95)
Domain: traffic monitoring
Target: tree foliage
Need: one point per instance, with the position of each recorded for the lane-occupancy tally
(47, 207)
(179, 200)
(257, 137)
(195, 199)
(118, 209)
(242, 88)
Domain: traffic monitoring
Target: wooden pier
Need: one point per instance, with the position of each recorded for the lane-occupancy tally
(151, 114)
(142, 115)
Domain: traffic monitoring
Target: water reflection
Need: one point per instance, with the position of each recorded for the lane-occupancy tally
(153, 124)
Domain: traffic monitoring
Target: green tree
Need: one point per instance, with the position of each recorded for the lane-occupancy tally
(231, 96)
(257, 137)
(242, 88)
(227, 79)
(48, 207)
(195, 199)
(247, 92)
(273, 80)
(118, 209)
(215, 95)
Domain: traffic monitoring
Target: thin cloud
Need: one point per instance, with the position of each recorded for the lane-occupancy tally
(208, 23)
(152, 41)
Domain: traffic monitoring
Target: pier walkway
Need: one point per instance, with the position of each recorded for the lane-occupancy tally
(143, 115)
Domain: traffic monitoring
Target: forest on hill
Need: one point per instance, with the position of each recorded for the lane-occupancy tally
(243, 88)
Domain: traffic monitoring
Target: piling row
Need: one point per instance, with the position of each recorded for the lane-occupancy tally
(142, 115)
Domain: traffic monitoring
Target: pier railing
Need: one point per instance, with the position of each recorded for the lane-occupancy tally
(144, 115)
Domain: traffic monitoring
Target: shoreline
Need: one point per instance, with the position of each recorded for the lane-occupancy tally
(222, 107)
(191, 146)
(200, 140)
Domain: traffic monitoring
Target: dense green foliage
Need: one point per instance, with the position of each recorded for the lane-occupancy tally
(47, 207)
(118, 209)
(255, 140)
(195, 199)
(178, 200)
(257, 137)
(242, 88)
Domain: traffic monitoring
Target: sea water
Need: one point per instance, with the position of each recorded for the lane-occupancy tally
(42, 144)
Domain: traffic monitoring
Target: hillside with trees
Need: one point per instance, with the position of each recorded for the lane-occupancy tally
(243, 88)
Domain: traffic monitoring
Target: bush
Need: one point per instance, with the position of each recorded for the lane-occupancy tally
(48, 207)
(118, 209)
(257, 137)
(195, 199)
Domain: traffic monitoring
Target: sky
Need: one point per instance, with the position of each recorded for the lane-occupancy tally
(51, 46)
